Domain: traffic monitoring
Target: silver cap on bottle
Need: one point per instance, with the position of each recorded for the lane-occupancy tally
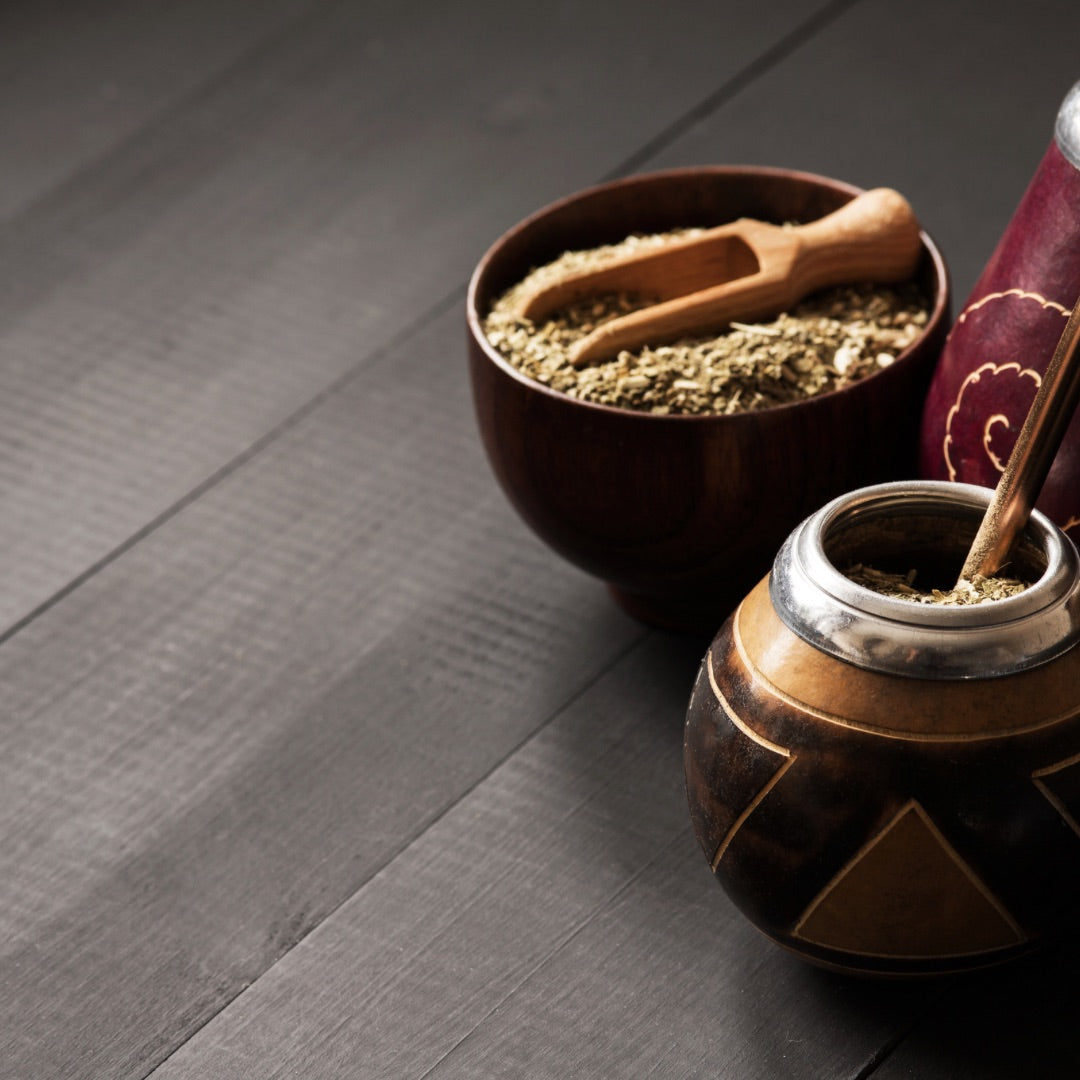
(1067, 128)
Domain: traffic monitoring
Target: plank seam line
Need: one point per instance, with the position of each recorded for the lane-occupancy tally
(259, 48)
(636, 642)
(554, 951)
(617, 658)
(886, 1050)
(760, 65)
(359, 369)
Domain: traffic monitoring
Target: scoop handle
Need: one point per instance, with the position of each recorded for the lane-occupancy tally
(875, 237)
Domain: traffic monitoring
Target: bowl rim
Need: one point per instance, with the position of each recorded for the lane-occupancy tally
(938, 312)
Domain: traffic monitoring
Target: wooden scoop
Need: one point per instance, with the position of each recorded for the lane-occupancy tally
(745, 270)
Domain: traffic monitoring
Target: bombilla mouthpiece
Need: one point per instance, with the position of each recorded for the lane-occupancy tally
(1067, 128)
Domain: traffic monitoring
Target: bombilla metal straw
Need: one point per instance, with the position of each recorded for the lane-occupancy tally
(1038, 442)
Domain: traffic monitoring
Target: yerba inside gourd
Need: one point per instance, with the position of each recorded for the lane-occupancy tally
(904, 586)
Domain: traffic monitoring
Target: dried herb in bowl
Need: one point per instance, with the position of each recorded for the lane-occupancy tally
(828, 341)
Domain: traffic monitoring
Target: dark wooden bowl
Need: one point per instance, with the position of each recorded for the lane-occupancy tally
(680, 515)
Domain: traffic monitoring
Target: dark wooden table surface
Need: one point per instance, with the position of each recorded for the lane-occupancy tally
(315, 762)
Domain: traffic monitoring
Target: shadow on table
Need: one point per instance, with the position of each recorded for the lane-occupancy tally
(1020, 1020)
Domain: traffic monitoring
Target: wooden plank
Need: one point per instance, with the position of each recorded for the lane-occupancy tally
(508, 939)
(950, 105)
(1018, 1021)
(218, 735)
(77, 80)
(222, 266)
(217, 739)
(559, 921)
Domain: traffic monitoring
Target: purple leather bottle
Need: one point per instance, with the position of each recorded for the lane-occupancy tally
(1005, 335)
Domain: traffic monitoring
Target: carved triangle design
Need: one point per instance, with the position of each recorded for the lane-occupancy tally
(908, 894)
(1060, 785)
(763, 765)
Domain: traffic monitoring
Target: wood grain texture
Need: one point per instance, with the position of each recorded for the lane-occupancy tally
(269, 620)
(203, 279)
(952, 106)
(559, 921)
(220, 737)
(78, 80)
(261, 695)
